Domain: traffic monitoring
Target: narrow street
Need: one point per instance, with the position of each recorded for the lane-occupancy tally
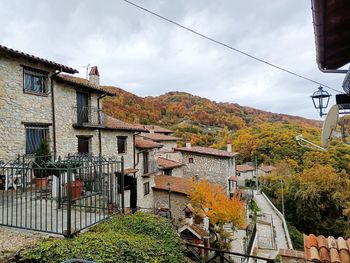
(278, 237)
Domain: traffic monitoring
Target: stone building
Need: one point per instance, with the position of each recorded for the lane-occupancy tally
(216, 166)
(170, 167)
(265, 169)
(244, 173)
(38, 102)
(147, 169)
(168, 142)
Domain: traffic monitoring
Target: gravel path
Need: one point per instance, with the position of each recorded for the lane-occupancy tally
(12, 240)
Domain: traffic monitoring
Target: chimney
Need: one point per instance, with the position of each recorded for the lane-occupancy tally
(229, 146)
(188, 144)
(94, 76)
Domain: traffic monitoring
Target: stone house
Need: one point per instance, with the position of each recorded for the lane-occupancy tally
(146, 151)
(38, 102)
(167, 141)
(170, 167)
(265, 169)
(202, 162)
(244, 172)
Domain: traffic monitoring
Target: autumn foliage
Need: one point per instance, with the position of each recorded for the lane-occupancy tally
(211, 200)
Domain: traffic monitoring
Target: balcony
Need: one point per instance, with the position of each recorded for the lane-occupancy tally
(88, 117)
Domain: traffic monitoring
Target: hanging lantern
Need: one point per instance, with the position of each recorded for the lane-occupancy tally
(320, 98)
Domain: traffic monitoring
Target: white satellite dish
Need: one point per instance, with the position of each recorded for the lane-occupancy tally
(329, 125)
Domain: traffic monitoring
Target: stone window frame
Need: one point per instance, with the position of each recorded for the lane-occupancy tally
(123, 139)
(39, 73)
(146, 188)
(190, 160)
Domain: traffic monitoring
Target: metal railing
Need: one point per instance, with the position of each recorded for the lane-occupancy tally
(88, 116)
(204, 254)
(63, 196)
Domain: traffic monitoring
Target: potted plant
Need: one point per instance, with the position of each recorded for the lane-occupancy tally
(42, 157)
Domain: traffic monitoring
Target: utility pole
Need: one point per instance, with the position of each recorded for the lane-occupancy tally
(256, 174)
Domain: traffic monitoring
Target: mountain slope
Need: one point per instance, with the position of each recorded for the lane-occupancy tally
(179, 107)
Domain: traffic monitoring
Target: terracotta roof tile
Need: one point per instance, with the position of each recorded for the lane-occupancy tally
(267, 168)
(158, 129)
(38, 59)
(115, 124)
(207, 151)
(329, 249)
(158, 137)
(233, 178)
(244, 168)
(177, 184)
(83, 83)
(200, 231)
(167, 163)
(142, 143)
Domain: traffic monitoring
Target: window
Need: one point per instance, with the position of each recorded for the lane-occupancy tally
(35, 81)
(145, 162)
(35, 134)
(84, 144)
(190, 160)
(146, 188)
(167, 171)
(121, 141)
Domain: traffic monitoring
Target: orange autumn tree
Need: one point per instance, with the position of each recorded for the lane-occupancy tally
(211, 200)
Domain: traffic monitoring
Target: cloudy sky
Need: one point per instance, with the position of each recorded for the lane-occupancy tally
(147, 56)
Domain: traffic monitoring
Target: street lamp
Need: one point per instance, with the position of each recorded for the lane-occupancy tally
(169, 189)
(282, 186)
(320, 98)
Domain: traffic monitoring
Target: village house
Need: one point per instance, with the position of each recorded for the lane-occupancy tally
(215, 165)
(265, 169)
(168, 142)
(170, 167)
(244, 173)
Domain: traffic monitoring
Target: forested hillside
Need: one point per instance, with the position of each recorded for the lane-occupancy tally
(316, 184)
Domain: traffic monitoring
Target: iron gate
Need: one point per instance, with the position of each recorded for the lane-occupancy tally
(62, 196)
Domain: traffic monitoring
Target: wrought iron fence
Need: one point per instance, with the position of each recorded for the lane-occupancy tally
(88, 115)
(63, 196)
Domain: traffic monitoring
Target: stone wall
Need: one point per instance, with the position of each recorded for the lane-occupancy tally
(145, 201)
(213, 168)
(178, 204)
(242, 176)
(17, 107)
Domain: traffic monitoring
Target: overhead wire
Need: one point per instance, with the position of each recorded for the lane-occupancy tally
(231, 47)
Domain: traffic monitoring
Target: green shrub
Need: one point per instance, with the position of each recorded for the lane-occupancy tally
(297, 237)
(133, 238)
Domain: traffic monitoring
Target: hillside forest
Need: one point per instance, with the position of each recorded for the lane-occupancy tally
(316, 184)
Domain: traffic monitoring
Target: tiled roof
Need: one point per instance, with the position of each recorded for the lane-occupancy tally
(198, 231)
(177, 184)
(142, 143)
(167, 163)
(158, 129)
(267, 168)
(115, 124)
(245, 168)
(83, 83)
(38, 59)
(322, 249)
(158, 137)
(207, 151)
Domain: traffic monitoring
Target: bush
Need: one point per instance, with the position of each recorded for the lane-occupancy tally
(133, 238)
(297, 237)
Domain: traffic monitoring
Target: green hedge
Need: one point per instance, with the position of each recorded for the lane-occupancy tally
(133, 238)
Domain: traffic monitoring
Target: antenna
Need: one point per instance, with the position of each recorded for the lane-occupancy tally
(305, 143)
(87, 67)
(329, 125)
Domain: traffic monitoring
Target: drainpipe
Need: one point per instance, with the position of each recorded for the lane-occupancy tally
(99, 121)
(54, 114)
(134, 149)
